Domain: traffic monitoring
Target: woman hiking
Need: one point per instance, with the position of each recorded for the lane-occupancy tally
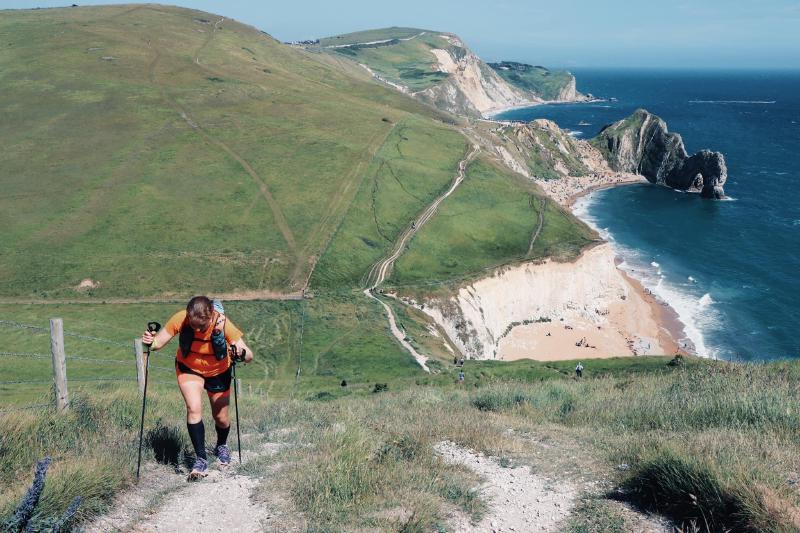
(203, 361)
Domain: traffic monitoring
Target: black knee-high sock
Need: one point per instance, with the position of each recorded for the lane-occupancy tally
(222, 435)
(197, 432)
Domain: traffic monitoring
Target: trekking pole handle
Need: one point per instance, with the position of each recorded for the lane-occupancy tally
(236, 355)
(153, 327)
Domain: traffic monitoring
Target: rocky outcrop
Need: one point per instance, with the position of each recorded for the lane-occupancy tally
(641, 144)
(471, 87)
(550, 152)
(569, 92)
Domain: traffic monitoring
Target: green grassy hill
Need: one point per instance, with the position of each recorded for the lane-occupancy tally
(379, 34)
(400, 55)
(160, 150)
(546, 83)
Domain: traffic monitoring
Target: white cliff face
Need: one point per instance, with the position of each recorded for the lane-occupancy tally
(583, 295)
(472, 87)
(569, 92)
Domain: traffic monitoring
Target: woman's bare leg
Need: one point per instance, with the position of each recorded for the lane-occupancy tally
(219, 407)
(192, 390)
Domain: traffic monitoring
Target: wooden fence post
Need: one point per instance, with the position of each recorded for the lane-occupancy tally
(59, 362)
(140, 363)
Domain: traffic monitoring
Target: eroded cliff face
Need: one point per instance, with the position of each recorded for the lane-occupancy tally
(590, 294)
(569, 93)
(641, 144)
(472, 88)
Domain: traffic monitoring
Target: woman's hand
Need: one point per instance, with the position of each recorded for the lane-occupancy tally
(243, 348)
(156, 341)
(147, 337)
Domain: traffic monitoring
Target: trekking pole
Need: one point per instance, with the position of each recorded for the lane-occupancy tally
(236, 406)
(152, 327)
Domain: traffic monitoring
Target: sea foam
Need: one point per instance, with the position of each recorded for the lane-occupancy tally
(695, 313)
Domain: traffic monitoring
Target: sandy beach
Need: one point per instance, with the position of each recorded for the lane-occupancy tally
(631, 323)
(548, 311)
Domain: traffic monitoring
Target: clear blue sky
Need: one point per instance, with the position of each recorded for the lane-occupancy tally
(571, 33)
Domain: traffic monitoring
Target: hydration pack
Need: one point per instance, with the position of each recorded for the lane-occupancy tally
(218, 342)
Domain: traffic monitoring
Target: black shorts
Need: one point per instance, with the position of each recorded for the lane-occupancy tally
(218, 383)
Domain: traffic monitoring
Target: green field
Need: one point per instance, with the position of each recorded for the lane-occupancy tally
(333, 338)
(488, 221)
(397, 187)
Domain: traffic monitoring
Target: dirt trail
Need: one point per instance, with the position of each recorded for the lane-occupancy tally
(188, 509)
(399, 334)
(381, 269)
(518, 500)
(539, 228)
(164, 501)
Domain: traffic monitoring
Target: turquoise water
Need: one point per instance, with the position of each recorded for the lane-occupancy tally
(729, 268)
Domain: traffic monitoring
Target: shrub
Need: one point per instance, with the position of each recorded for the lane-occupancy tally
(688, 491)
(499, 399)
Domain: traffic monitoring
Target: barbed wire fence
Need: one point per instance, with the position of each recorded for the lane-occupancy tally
(134, 361)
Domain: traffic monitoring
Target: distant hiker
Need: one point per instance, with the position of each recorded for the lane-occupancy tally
(203, 362)
(461, 362)
(455, 360)
(461, 377)
(579, 370)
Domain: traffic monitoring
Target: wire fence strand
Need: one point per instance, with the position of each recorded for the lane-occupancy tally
(20, 325)
(24, 326)
(25, 407)
(25, 354)
(34, 355)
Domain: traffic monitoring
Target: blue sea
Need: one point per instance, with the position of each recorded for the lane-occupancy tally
(729, 268)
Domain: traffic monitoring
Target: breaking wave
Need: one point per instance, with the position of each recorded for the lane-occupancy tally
(696, 313)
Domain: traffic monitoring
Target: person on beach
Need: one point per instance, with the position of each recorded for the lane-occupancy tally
(202, 362)
(579, 370)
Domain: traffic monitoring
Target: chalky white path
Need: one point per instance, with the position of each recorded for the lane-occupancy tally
(519, 501)
(381, 269)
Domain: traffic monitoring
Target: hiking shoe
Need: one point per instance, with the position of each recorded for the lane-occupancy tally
(223, 454)
(199, 470)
